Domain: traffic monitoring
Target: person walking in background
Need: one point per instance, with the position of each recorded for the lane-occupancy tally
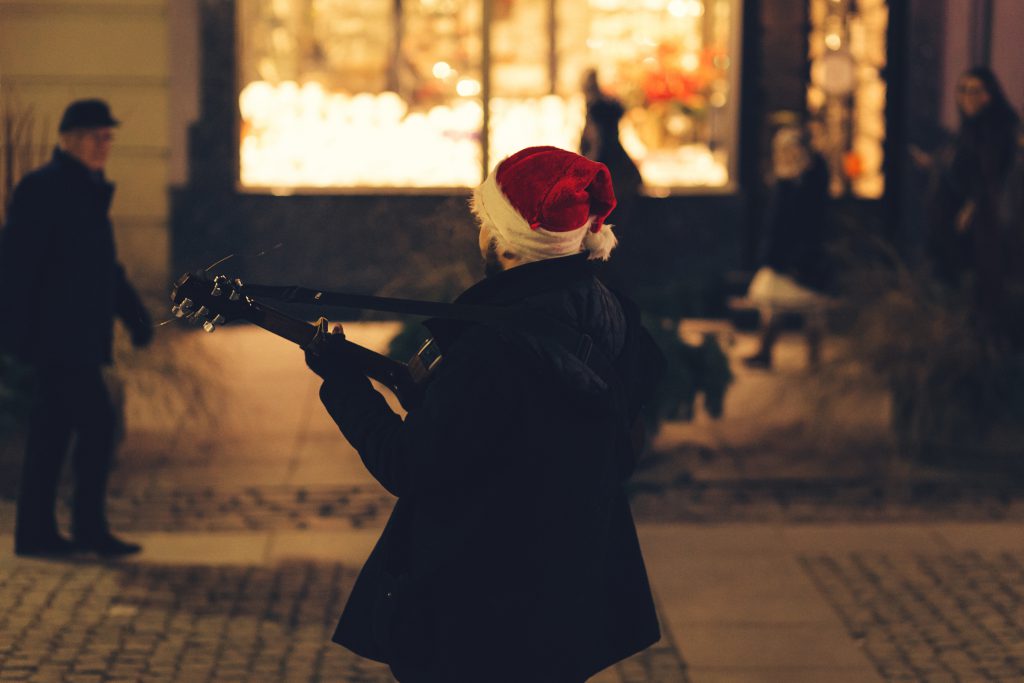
(792, 272)
(60, 289)
(976, 237)
(600, 142)
(511, 554)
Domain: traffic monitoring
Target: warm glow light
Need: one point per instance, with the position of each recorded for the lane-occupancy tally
(686, 8)
(306, 137)
(523, 122)
(556, 121)
(442, 70)
(330, 126)
(468, 87)
(833, 41)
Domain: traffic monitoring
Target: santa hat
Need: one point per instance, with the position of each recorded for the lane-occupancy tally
(545, 202)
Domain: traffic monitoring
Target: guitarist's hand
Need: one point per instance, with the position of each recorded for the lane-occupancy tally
(324, 355)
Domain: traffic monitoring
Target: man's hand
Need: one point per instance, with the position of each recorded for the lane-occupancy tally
(324, 354)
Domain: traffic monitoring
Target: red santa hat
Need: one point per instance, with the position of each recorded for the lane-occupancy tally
(545, 202)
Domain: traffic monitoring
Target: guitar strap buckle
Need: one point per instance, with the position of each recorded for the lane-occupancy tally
(426, 360)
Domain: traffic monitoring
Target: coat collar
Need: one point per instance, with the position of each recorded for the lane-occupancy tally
(70, 164)
(511, 287)
(527, 280)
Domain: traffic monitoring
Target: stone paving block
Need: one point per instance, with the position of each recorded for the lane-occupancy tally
(930, 634)
(738, 589)
(225, 548)
(768, 646)
(782, 675)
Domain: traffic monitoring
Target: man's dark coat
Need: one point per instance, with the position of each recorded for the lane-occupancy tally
(60, 282)
(511, 554)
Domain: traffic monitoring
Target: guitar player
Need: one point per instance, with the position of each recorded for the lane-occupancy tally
(58, 244)
(511, 554)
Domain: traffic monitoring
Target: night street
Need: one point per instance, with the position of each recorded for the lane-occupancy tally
(553, 341)
(254, 529)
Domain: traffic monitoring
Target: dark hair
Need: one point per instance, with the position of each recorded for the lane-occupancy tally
(987, 143)
(998, 105)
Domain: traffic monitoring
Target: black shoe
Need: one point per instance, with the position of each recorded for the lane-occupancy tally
(51, 546)
(107, 545)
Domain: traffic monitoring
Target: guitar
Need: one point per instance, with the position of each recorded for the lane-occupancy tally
(213, 302)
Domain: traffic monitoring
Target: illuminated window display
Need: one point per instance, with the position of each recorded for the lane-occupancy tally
(847, 94)
(366, 94)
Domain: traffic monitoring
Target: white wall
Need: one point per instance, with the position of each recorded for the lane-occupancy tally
(55, 51)
(183, 27)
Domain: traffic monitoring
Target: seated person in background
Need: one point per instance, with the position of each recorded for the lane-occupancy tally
(792, 273)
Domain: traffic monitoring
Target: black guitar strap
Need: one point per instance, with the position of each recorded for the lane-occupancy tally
(531, 322)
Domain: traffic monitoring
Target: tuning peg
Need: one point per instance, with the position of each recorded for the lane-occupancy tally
(219, 283)
(186, 306)
(176, 310)
(218, 319)
(209, 326)
(202, 312)
(235, 295)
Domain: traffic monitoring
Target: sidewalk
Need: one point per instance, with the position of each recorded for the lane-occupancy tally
(254, 528)
(739, 604)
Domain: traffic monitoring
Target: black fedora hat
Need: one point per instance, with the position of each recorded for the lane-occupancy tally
(87, 114)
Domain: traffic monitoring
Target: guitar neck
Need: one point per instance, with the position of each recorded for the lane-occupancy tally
(391, 373)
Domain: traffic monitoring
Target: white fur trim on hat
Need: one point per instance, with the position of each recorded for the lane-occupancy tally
(512, 231)
(600, 243)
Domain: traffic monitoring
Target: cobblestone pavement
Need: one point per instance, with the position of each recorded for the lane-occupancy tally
(241, 509)
(931, 618)
(823, 501)
(357, 506)
(95, 623)
(89, 623)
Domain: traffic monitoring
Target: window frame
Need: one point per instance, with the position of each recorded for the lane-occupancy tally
(731, 121)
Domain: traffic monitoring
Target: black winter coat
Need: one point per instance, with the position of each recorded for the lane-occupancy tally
(511, 554)
(60, 282)
(795, 233)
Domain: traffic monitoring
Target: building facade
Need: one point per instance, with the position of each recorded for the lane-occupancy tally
(333, 143)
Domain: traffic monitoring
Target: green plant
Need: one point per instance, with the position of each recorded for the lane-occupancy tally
(957, 392)
(23, 145)
(690, 369)
(174, 379)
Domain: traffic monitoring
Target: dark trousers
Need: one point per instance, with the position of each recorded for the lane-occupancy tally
(69, 403)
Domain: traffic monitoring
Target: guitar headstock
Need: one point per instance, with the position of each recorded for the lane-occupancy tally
(209, 301)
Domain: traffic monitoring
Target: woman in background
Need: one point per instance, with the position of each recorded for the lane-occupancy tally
(976, 235)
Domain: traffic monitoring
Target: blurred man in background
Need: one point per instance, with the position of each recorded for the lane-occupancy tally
(60, 289)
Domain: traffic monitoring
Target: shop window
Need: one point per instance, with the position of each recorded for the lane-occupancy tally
(846, 97)
(365, 94)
